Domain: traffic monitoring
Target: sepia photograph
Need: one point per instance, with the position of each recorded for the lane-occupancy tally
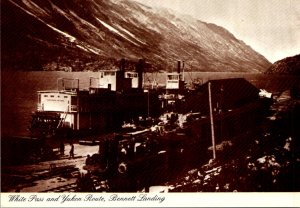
(141, 99)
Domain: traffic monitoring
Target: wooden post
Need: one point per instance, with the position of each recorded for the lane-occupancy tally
(211, 121)
(182, 70)
(148, 103)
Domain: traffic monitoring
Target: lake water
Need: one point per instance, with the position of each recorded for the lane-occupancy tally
(19, 97)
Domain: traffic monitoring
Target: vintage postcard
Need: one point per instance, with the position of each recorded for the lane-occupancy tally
(146, 103)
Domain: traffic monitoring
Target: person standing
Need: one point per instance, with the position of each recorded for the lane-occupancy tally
(62, 148)
(72, 150)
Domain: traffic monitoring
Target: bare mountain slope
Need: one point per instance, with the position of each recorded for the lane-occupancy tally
(95, 34)
(287, 66)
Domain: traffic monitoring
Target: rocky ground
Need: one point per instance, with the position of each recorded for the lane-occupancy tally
(267, 162)
(256, 169)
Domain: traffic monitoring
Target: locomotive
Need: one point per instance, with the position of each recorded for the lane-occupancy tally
(129, 161)
(136, 160)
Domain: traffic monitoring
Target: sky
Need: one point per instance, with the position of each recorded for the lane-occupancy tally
(270, 27)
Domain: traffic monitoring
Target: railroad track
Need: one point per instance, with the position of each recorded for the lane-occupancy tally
(72, 187)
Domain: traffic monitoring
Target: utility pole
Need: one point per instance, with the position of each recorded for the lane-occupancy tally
(211, 121)
(148, 103)
(182, 70)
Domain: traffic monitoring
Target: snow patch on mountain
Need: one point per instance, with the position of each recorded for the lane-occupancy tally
(115, 31)
(34, 7)
(60, 11)
(82, 20)
(130, 34)
(70, 37)
(81, 47)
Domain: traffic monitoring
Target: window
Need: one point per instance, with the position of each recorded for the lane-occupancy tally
(45, 95)
(172, 81)
(51, 95)
(173, 77)
(131, 75)
(109, 73)
(65, 96)
(39, 98)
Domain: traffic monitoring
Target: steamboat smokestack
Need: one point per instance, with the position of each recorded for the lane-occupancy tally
(121, 74)
(178, 67)
(122, 65)
(140, 70)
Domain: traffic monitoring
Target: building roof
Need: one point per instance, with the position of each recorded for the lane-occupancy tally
(58, 92)
(226, 94)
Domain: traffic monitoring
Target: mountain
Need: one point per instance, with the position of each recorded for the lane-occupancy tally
(83, 35)
(288, 66)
